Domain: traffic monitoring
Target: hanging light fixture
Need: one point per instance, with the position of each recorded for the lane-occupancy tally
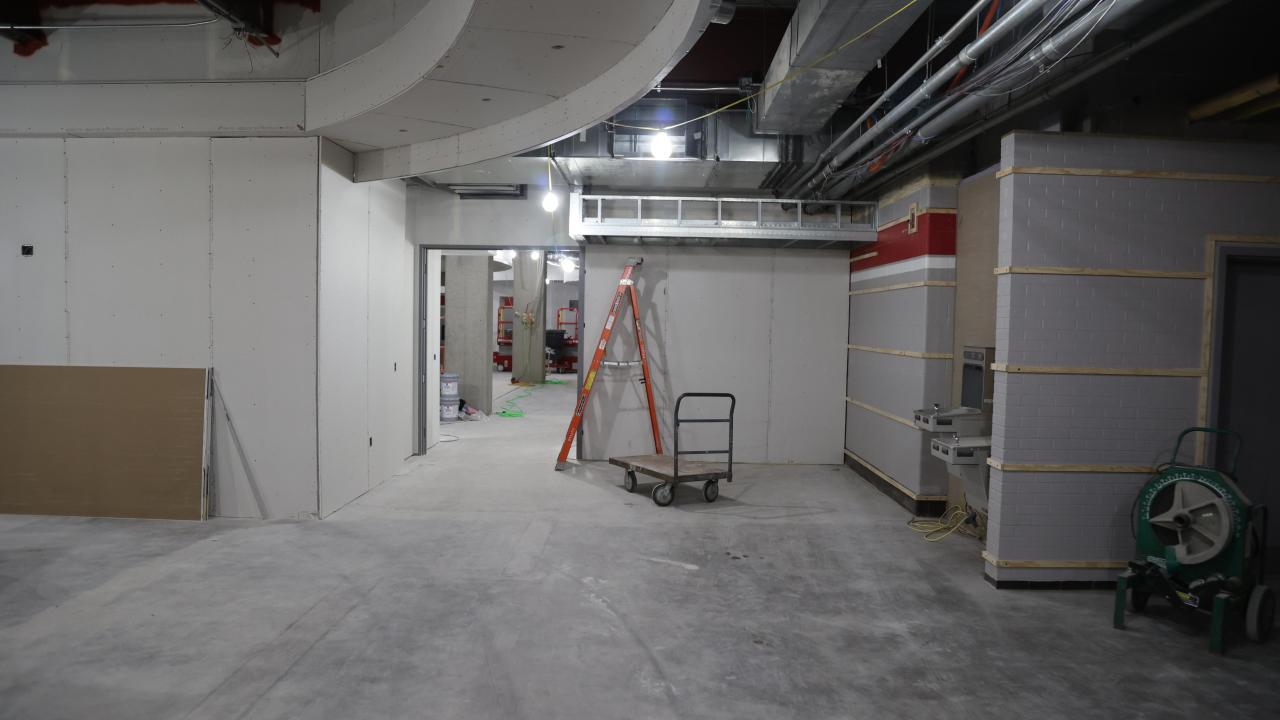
(550, 201)
(660, 146)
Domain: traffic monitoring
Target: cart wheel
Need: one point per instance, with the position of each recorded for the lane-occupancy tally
(710, 490)
(629, 481)
(1138, 600)
(663, 494)
(1260, 614)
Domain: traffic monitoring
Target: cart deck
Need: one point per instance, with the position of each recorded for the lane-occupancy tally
(662, 467)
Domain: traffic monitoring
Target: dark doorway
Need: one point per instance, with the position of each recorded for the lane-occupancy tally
(1249, 381)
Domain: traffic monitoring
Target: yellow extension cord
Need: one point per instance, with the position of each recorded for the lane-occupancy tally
(935, 529)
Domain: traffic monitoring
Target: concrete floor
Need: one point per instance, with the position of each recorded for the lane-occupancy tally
(482, 584)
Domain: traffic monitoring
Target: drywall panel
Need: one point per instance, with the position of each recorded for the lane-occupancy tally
(806, 411)
(33, 325)
(138, 251)
(102, 441)
(977, 238)
(343, 333)
(391, 271)
(440, 218)
(765, 325)
(263, 280)
(434, 262)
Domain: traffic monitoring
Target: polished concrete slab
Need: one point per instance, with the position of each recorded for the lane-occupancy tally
(482, 584)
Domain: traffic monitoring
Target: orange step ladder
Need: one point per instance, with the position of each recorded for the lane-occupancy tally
(626, 286)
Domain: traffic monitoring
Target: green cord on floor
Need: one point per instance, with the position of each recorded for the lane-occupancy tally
(511, 409)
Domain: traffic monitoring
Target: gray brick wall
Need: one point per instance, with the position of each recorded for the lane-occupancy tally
(900, 452)
(898, 384)
(1157, 224)
(1102, 321)
(1089, 419)
(902, 277)
(917, 319)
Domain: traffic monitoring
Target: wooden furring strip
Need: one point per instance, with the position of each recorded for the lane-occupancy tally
(904, 286)
(880, 474)
(1069, 468)
(1056, 564)
(1100, 272)
(1067, 370)
(882, 413)
(905, 218)
(1140, 174)
(903, 353)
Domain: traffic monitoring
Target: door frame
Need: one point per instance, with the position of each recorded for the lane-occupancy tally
(428, 358)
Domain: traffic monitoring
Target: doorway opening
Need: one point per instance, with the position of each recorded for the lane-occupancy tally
(500, 332)
(1248, 387)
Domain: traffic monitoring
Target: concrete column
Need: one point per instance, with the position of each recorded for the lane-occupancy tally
(528, 348)
(468, 327)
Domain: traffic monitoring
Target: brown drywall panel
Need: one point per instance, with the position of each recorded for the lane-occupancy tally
(977, 239)
(102, 441)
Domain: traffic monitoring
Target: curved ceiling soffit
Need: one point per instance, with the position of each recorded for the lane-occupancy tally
(621, 85)
(393, 67)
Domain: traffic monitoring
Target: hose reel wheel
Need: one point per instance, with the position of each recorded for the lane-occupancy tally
(1192, 519)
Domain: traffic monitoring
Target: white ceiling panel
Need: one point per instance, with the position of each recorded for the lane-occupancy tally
(463, 104)
(626, 22)
(527, 61)
(380, 130)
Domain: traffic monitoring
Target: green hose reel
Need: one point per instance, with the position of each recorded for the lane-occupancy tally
(1200, 545)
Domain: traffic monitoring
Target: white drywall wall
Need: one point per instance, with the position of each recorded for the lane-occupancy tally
(263, 290)
(365, 332)
(391, 332)
(344, 334)
(165, 252)
(439, 218)
(138, 251)
(765, 325)
(33, 322)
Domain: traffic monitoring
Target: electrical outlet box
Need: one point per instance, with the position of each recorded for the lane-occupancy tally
(28, 250)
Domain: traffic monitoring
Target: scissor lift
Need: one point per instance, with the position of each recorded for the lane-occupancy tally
(671, 471)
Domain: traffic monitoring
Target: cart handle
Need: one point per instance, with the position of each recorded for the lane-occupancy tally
(1235, 455)
(675, 458)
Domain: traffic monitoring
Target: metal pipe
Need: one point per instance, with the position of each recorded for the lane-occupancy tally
(1109, 59)
(967, 56)
(114, 26)
(1049, 53)
(947, 38)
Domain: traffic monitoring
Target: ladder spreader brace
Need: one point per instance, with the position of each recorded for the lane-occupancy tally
(626, 286)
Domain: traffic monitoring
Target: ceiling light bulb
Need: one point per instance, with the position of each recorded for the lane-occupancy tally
(533, 254)
(660, 146)
(550, 202)
(567, 264)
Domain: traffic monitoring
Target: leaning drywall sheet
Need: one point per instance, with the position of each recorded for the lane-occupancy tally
(138, 234)
(33, 325)
(264, 234)
(102, 441)
(343, 337)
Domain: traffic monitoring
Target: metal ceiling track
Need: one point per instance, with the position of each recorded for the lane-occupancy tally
(748, 222)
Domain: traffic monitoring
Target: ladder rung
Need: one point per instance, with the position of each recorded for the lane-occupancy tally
(718, 420)
(620, 363)
(703, 452)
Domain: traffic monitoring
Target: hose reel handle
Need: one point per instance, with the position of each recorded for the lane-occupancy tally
(1235, 450)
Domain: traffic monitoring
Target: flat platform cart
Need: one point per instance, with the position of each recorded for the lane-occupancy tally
(671, 471)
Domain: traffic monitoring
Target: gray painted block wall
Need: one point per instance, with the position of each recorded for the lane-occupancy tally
(1102, 222)
(918, 319)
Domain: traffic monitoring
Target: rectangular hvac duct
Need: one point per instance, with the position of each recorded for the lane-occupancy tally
(804, 104)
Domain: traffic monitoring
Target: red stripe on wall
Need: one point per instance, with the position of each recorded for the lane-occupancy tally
(935, 235)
